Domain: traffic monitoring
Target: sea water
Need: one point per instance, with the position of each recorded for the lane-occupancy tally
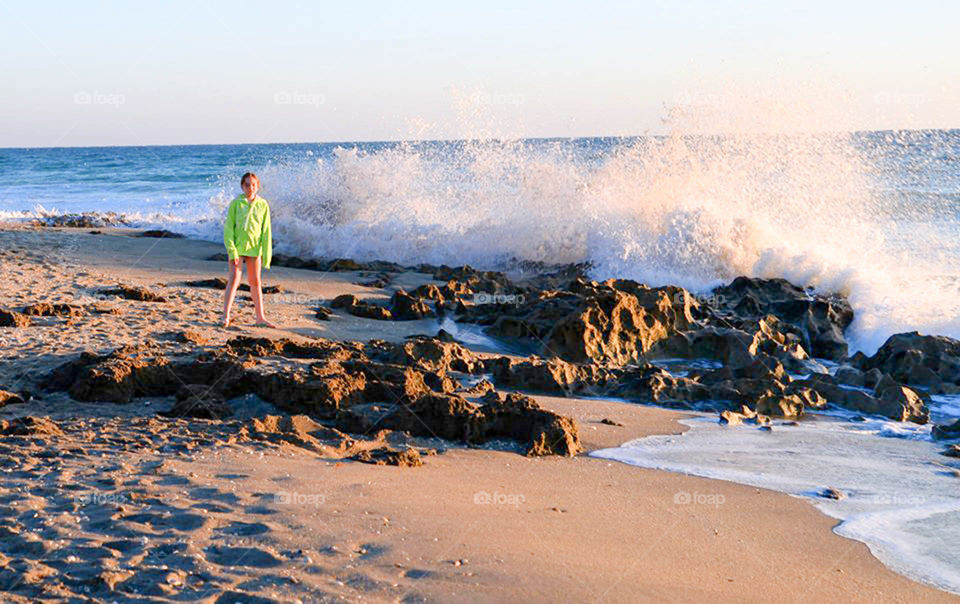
(900, 496)
(872, 215)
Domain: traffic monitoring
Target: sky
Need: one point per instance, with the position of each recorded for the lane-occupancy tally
(120, 73)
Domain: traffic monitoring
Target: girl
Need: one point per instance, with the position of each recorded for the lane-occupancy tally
(247, 236)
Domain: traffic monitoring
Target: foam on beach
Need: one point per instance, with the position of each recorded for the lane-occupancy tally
(900, 495)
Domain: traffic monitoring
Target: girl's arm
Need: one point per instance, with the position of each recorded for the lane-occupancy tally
(228, 232)
(266, 241)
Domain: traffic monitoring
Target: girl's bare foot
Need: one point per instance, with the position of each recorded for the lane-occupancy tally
(264, 323)
(227, 321)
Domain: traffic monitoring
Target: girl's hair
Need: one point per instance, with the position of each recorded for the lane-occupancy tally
(243, 179)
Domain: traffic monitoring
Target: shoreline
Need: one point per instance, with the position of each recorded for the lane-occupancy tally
(554, 542)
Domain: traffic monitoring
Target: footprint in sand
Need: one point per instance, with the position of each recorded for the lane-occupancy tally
(242, 556)
(245, 529)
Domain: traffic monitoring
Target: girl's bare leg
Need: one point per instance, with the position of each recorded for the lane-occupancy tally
(253, 276)
(234, 268)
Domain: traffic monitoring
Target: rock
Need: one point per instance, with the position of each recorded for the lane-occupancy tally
(30, 426)
(10, 398)
(893, 401)
(951, 451)
(385, 456)
(820, 320)
(162, 233)
(444, 336)
(10, 318)
(520, 417)
(359, 386)
(426, 353)
(322, 313)
(730, 418)
(86, 220)
(616, 322)
(903, 404)
(381, 281)
(552, 376)
(610, 422)
(429, 291)
(851, 376)
(48, 309)
(404, 307)
(132, 292)
(911, 358)
(221, 284)
(943, 431)
(359, 308)
(199, 401)
(789, 406)
(472, 280)
(117, 377)
(832, 493)
(299, 431)
(733, 347)
(190, 336)
(649, 384)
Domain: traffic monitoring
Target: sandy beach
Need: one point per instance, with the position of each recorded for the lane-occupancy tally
(114, 502)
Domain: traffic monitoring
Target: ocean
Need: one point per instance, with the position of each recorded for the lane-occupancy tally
(871, 215)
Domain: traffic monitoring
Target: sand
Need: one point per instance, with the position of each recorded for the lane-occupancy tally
(124, 505)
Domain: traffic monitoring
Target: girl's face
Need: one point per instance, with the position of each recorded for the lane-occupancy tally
(250, 188)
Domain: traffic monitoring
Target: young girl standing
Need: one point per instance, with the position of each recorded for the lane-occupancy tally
(246, 234)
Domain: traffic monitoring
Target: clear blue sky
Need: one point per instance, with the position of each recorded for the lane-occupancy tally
(108, 73)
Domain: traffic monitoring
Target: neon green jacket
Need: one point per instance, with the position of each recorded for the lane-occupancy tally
(247, 229)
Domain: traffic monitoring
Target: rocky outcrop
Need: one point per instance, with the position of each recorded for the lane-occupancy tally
(386, 456)
(10, 398)
(162, 234)
(404, 307)
(911, 358)
(552, 376)
(889, 399)
(30, 426)
(52, 309)
(947, 431)
(86, 220)
(820, 320)
(12, 318)
(395, 386)
(221, 283)
(333, 265)
(359, 308)
(615, 322)
(133, 292)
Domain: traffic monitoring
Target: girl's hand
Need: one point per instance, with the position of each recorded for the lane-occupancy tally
(235, 262)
